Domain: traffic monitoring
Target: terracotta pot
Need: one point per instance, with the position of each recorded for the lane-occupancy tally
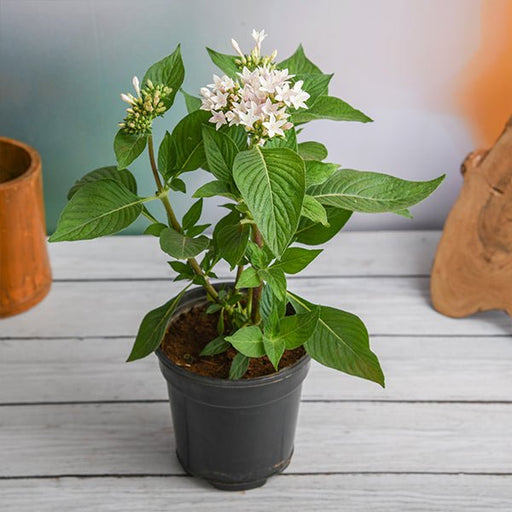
(25, 275)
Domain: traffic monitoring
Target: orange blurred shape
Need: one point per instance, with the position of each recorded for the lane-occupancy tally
(486, 93)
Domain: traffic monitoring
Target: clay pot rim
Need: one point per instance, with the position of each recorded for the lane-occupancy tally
(34, 166)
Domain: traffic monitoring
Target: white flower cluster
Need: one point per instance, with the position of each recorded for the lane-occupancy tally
(258, 99)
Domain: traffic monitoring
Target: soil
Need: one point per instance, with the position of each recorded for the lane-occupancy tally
(193, 329)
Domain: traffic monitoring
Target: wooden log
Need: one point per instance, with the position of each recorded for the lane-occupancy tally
(473, 266)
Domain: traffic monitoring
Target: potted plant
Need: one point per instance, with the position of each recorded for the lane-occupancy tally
(235, 354)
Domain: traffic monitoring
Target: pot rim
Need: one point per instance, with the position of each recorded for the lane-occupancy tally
(263, 380)
(227, 383)
(34, 166)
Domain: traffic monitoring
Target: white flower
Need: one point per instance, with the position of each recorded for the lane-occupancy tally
(299, 96)
(284, 94)
(220, 99)
(136, 85)
(219, 118)
(128, 98)
(236, 47)
(248, 118)
(258, 37)
(260, 98)
(274, 125)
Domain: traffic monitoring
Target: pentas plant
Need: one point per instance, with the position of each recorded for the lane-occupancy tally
(282, 196)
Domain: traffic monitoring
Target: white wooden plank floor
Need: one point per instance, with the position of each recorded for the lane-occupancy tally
(80, 430)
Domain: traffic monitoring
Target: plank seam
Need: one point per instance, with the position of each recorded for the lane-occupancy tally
(221, 278)
(132, 336)
(287, 474)
(305, 400)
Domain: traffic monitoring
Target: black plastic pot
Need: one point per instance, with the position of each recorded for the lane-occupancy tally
(235, 434)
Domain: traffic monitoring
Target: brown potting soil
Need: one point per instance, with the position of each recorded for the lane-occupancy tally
(193, 329)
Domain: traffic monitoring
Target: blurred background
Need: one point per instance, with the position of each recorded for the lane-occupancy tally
(435, 75)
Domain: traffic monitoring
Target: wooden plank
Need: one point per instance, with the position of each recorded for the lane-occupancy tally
(416, 368)
(351, 253)
(389, 306)
(136, 439)
(354, 493)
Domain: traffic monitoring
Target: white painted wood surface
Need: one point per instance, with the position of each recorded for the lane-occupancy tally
(283, 493)
(403, 253)
(81, 430)
(417, 369)
(136, 438)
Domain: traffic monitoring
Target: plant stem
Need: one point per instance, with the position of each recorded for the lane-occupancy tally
(256, 292)
(173, 221)
(239, 271)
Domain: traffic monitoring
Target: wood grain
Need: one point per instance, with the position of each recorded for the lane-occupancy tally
(403, 253)
(336, 493)
(436, 439)
(389, 306)
(417, 368)
(136, 438)
(473, 266)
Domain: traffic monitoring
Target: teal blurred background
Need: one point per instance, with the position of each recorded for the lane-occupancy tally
(64, 63)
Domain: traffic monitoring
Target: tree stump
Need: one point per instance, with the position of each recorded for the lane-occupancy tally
(473, 266)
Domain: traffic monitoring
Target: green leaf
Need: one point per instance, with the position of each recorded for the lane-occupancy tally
(329, 107)
(183, 150)
(238, 367)
(192, 103)
(248, 341)
(340, 341)
(170, 72)
(124, 176)
(237, 134)
(372, 192)
(315, 84)
(249, 278)
(288, 141)
(97, 209)
(299, 63)
(180, 246)
(153, 327)
(192, 216)
(224, 62)
(214, 188)
(272, 183)
(260, 257)
(275, 278)
(155, 229)
(296, 259)
(128, 147)
(166, 156)
(274, 349)
(312, 150)
(197, 229)
(295, 330)
(220, 153)
(269, 303)
(404, 213)
(318, 172)
(231, 240)
(216, 346)
(178, 185)
(314, 211)
(314, 233)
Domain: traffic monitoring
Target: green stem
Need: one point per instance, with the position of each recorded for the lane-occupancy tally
(173, 221)
(239, 271)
